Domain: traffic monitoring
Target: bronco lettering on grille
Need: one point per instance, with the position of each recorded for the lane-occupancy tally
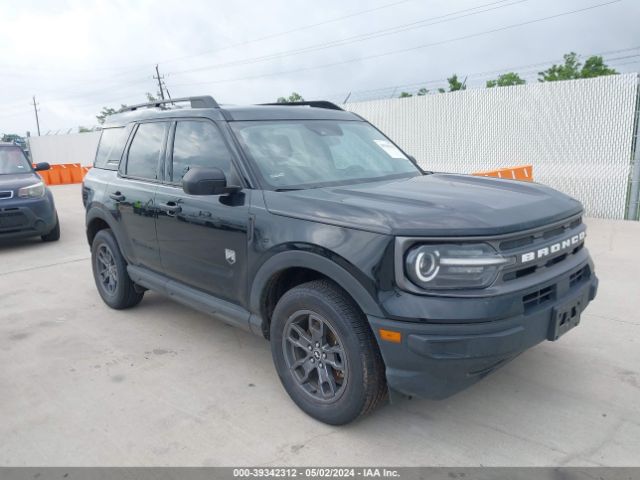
(553, 248)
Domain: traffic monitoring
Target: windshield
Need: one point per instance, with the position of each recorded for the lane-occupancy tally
(308, 153)
(12, 160)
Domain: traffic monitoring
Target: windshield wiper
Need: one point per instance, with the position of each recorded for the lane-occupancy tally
(287, 189)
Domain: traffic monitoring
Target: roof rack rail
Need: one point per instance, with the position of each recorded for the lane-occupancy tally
(313, 103)
(196, 102)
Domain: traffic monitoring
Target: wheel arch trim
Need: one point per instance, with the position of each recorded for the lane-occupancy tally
(99, 212)
(312, 261)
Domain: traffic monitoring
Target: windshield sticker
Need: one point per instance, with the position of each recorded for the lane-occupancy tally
(390, 149)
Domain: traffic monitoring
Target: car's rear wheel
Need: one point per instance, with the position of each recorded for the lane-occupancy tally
(54, 234)
(325, 354)
(110, 273)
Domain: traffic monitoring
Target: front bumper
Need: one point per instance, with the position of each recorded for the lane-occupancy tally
(27, 217)
(438, 359)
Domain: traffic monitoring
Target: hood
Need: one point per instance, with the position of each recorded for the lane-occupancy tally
(429, 205)
(15, 181)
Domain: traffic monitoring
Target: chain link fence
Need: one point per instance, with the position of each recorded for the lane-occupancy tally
(578, 134)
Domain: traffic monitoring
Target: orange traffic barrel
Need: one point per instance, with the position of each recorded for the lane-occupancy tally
(76, 173)
(54, 175)
(65, 174)
(524, 173)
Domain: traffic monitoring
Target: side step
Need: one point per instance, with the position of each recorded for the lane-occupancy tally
(228, 312)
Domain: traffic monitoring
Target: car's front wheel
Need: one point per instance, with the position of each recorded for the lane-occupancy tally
(110, 273)
(325, 353)
(54, 234)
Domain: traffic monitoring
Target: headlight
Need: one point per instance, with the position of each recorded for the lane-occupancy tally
(453, 266)
(32, 191)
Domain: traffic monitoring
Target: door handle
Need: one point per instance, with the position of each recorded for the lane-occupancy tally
(117, 196)
(170, 207)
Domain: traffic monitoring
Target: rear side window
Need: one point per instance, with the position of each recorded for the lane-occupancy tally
(110, 148)
(145, 151)
(198, 144)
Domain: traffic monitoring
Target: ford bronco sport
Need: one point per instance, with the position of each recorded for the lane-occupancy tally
(304, 224)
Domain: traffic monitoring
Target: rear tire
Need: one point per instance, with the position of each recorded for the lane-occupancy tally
(325, 353)
(110, 273)
(53, 235)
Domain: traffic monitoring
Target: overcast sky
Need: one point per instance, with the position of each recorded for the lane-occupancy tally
(77, 56)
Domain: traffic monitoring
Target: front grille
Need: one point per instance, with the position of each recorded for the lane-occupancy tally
(545, 234)
(539, 297)
(538, 241)
(6, 194)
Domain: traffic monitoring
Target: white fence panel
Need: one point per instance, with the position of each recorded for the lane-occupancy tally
(577, 134)
(71, 148)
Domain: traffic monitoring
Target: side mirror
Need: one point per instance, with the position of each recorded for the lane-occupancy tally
(41, 166)
(206, 181)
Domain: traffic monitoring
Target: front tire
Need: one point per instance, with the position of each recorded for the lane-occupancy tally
(54, 234)
(110, 273)
(325, 353)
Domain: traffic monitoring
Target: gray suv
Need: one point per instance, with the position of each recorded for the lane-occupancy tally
(26, 204)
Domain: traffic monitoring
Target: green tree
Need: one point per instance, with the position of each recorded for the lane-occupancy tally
(455, 84)
(404, 95)
(594, 66)
(571, 69)
(422, 92)
(11, 137)
(506, 80)
(294, 97)
(82, 129)
(106, 111)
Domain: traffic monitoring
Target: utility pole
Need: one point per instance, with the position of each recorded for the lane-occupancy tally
(35, 109)
(159, 78)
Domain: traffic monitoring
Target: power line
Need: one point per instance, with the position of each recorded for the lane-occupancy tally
(344, 41)
(403, 50)
(274, 35)
(131, 68)
(388, 53)
(532, 67)
(383, 92)
(359, 38)
(287, 32)
(362, 37)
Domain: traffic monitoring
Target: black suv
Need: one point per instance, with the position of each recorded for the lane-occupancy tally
(304, 224)
(26, 204)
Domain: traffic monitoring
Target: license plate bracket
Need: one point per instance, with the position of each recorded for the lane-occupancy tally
(564, 317)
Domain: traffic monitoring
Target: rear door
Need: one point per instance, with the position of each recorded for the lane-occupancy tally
(134, 189)
(202, 239)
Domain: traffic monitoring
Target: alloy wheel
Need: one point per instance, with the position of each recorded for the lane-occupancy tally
(107, 269)
(315, 356)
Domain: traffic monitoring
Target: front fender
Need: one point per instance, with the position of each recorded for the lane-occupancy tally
(313, 261)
